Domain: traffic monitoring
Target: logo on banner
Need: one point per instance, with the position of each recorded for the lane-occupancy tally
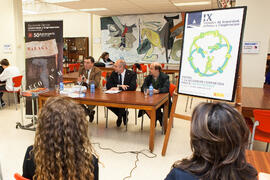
(207, 17)
(194, 20)
(30, 35)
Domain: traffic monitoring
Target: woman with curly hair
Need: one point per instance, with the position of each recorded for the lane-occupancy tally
(219, 137)
(62, 150)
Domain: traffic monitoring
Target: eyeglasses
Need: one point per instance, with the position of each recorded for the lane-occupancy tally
(86, 62)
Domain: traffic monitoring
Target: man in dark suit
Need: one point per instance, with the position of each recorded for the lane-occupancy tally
(122, 79)
(161, 84)
(87, 74)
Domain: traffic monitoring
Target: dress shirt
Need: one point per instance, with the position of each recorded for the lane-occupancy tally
(123, 76)
(7, 75)
(88, 75)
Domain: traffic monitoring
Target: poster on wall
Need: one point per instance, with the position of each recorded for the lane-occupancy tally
(143, 38)
(44, 54)
(251, 47)
(211, 53)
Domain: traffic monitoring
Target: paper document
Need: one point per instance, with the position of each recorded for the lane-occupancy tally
(264, 176)
(112, 91)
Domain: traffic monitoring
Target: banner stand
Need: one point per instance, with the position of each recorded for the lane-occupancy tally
(237, 104)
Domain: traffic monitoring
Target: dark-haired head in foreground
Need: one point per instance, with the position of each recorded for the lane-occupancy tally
(219, 137)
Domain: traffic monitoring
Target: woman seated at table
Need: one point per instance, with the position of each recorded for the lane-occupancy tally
(219, 137)
(62, 149)
(105, 57)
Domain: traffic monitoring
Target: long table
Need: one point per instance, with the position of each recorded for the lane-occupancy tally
(259, 160)
(255, 98)
(124, 99)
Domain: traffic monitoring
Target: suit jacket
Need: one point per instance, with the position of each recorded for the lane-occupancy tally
(163, 83)
(95, 75)
(129, 79)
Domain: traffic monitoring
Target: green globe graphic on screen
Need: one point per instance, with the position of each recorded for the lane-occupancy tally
(209, 53)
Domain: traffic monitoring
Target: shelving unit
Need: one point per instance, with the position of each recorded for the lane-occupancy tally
(74, 51)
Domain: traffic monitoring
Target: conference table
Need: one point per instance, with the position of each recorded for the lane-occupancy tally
(255, 98)
(259, 160)
(124, 99)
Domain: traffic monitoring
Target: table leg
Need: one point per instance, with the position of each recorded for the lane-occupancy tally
(165, 116)
(152, 130)
(40, 103)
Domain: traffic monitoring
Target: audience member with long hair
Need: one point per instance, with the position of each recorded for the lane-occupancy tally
(219, 137)
(62, 150)
(105, 57)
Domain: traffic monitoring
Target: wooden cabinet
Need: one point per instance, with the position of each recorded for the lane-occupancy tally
(75, 49)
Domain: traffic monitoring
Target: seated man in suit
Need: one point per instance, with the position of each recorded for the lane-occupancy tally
(161, 84)
(89, 73)
(122, 79)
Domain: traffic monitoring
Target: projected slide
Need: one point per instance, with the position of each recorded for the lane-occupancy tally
(210, 52)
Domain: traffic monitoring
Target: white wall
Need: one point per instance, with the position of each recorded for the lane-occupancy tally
(11, 32)
(75, 24)
(256, 29)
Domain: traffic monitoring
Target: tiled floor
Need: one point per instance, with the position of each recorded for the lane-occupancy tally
(13, 144)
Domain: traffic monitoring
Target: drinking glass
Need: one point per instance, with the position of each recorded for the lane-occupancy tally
(145, 91)
(57, 88)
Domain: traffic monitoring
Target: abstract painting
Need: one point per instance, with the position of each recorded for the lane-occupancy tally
(143, 38)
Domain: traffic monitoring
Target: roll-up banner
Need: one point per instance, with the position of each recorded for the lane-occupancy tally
(44, 55)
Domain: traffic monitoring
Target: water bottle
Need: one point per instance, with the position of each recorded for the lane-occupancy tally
(61, 86)
(92, 87)
(151, 90)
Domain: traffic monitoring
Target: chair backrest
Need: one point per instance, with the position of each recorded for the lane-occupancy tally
(77, 66)
(144, 68)
(172, 88)
(104, 74)
(104, 82)
(263, 116)
(17, 81)
(134, 68)
(71, 67)
(17, 176)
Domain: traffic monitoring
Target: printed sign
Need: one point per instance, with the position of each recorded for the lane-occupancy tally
(210, 53)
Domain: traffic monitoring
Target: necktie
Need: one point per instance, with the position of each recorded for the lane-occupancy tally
(120, 79)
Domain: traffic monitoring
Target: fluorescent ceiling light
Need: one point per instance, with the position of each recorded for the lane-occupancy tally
(192, 3)
(59, 1)
(94, 9)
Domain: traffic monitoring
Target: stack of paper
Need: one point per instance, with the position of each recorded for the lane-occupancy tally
(264, 176)
(112, 91)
